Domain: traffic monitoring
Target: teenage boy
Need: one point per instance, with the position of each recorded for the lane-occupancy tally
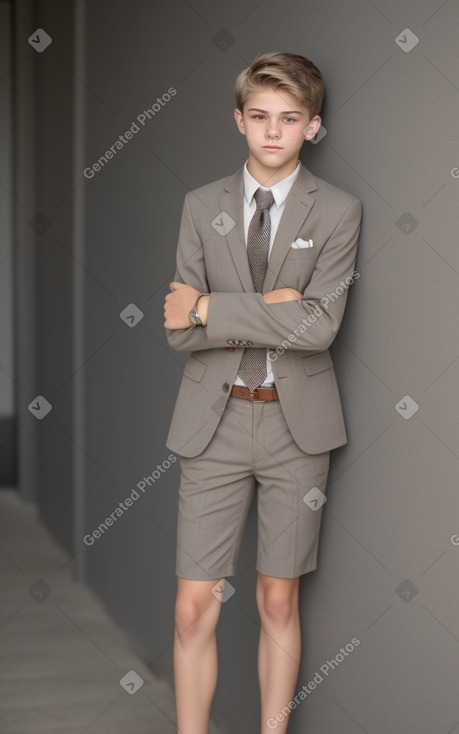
(264, 262)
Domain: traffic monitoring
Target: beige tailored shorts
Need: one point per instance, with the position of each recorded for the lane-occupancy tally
(252, 450)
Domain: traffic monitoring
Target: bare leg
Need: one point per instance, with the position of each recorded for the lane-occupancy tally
(279, 647)
(195, 653)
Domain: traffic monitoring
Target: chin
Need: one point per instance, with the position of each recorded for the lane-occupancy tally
(274, 158)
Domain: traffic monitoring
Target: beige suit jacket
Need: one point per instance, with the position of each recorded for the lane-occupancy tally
(212, 257)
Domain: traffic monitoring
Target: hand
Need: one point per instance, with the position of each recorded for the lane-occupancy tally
(281, 295)
(178, 304)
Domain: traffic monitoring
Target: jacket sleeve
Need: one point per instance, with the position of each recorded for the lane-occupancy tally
(309, 325)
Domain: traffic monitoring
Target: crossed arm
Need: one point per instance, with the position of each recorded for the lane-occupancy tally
(180, 301)
(309, 320)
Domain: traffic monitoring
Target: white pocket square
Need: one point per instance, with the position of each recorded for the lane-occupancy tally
(299, 243)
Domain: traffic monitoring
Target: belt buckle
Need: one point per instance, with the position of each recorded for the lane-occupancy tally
(253, 396)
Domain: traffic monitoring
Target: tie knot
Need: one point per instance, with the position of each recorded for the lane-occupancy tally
(264, 198)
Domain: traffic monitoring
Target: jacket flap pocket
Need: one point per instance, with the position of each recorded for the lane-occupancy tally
(318, 362)
(194, 369)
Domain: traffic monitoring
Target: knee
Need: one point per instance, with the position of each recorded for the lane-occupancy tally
(277, 604)
(193, 617)
(277, 609)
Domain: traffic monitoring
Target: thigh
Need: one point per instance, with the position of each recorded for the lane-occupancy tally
(291, 495)
(216, 489)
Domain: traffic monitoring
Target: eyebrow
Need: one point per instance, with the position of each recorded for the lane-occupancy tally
(286, 112)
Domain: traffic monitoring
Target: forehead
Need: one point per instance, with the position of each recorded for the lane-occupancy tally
(274, 100)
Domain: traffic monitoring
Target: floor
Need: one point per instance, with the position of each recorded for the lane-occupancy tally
(61, 656)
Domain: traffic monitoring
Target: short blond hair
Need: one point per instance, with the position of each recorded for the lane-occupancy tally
(280, 70)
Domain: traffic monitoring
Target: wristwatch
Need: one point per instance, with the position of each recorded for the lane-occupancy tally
(193, 314)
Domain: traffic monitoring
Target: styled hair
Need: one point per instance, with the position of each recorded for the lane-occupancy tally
(280, 70)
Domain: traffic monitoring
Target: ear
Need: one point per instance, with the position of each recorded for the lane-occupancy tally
(239, 121)
(312, 128)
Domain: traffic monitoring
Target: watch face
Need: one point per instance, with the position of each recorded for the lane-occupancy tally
(193, 318)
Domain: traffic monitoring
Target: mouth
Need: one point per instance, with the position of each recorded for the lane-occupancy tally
(271, 147)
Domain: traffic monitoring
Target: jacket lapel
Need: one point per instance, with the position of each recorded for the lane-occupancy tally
(232, 202)
(297, 206)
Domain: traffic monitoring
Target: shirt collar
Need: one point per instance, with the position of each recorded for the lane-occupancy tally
(279, 190)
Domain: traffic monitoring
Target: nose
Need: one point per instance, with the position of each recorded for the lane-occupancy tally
(272, 130)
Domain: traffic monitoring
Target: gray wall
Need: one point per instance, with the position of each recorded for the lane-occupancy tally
(43, 216)
(55, 263)
(7, 407)
(387, 564)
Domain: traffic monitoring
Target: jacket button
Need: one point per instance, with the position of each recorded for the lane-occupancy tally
(226, 386)
(229, 349)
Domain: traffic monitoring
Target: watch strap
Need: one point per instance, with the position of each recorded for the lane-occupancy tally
(194, 310)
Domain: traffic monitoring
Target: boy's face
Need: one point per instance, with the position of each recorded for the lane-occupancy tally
(276, 126)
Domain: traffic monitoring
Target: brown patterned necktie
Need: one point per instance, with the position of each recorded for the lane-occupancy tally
(252, 368)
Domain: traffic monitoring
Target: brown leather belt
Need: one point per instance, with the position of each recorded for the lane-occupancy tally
(259, 395)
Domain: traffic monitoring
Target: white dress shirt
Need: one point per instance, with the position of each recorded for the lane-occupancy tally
(280, 192)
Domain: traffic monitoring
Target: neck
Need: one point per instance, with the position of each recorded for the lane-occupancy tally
(268, 177)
